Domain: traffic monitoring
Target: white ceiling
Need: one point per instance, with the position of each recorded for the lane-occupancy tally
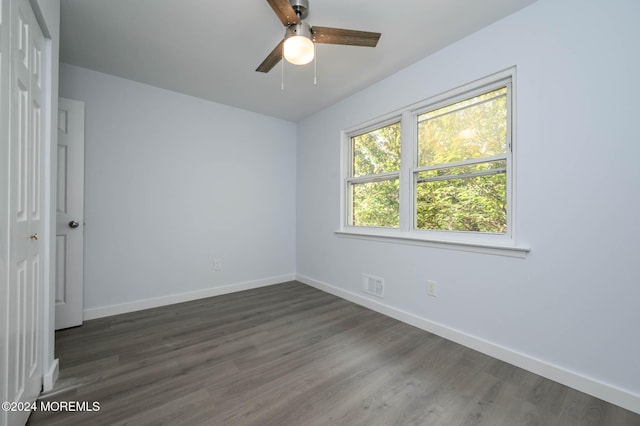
(211, 48)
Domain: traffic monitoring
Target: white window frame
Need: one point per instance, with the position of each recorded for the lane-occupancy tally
(376, 177)
(501, 244)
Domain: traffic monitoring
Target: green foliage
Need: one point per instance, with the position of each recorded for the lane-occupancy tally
(377, 151)
(473, 204)
(376, 203)
(449, 196)
(474, 128)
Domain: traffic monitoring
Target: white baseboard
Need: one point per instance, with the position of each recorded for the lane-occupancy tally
(598, 389)
(50, 377)
(138, 305)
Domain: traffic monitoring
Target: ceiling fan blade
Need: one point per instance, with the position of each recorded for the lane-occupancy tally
(272, 59)
(284, 11)
(328, 35)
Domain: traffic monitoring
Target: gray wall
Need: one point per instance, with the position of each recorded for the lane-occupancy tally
(172, 182)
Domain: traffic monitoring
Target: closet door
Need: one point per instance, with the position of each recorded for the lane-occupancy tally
(5, 103)
(24, 305)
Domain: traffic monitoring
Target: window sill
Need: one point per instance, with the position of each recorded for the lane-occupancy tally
(493, 248)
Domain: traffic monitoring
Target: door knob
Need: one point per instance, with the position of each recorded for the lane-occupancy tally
(34, 236)
(74, 224)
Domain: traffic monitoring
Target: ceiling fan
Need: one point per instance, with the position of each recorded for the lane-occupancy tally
(298, 45)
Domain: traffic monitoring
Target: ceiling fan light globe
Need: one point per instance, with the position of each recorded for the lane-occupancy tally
(298, 50)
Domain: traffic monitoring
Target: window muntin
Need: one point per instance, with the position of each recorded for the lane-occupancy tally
(373, 184)
(454, 182)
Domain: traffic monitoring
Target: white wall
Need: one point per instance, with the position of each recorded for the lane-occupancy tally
(573, 302)
(172, 182)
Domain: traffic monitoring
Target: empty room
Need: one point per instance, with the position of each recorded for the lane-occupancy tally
(319, 212)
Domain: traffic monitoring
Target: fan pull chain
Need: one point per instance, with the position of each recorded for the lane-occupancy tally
(282, 71)
(315, 64)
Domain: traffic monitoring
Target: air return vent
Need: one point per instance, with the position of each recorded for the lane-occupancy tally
(373, 285)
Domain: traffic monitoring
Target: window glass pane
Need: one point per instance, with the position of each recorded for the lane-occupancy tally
(377, 151)
(472, 201)
(473, 128)
(376, 203)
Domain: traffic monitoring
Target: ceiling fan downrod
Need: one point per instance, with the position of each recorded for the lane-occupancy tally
(301, 7)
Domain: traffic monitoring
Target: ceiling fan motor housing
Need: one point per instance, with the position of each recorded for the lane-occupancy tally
(301, 7)
(301, 29)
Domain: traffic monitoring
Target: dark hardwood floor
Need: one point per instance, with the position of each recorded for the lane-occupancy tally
(292, 355)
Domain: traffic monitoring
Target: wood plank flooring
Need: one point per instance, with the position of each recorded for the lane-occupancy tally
(292, 355)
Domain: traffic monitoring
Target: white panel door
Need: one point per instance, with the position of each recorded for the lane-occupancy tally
(24, 291)
(70, 214)
(5, 103)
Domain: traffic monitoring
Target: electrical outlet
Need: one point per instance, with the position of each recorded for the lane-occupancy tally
(432, 288)
(217, 264)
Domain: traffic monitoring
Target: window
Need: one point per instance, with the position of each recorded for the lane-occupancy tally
(461, 182)
(374, 181)
(440, 170)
